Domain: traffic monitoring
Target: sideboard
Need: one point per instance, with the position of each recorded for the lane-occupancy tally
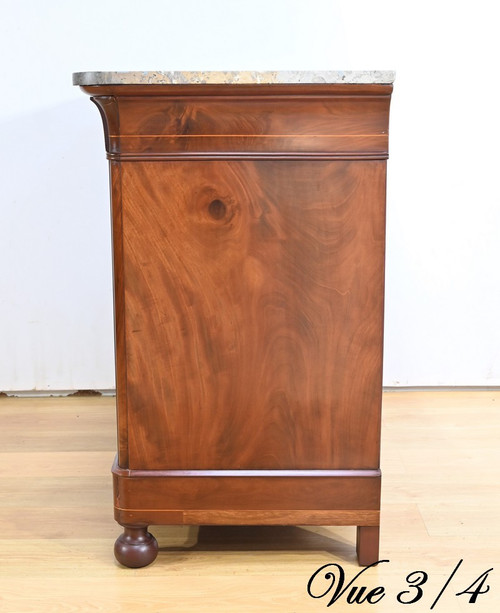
(248, 219)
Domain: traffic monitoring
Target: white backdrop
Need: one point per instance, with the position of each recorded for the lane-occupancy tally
(443, 255)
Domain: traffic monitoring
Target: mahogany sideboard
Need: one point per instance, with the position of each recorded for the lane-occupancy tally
(248, 238)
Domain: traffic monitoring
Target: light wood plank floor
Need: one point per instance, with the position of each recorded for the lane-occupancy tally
(441, 504)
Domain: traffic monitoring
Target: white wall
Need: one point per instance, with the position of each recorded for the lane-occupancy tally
(443, 289)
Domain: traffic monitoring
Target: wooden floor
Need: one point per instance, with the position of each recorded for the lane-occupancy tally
(440, 505)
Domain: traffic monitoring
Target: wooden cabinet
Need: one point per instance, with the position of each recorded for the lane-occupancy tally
(248, 234)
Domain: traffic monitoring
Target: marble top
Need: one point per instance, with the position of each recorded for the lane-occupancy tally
(160, 77)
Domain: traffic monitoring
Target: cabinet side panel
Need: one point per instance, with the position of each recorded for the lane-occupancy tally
(254, 302)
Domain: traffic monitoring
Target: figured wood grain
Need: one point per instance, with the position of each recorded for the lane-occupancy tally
(264, 116)
(259, 124)
(256, 331)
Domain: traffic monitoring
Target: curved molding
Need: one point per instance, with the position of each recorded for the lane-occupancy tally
(108, 109)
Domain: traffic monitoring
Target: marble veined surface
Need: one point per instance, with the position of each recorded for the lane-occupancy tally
(246, 77)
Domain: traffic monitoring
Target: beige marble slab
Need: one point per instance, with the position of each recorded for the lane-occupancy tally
(232, 77)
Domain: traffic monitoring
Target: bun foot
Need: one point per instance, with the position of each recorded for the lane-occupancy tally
(136, 547)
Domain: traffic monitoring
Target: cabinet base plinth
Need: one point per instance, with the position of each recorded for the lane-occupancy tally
(314, 498)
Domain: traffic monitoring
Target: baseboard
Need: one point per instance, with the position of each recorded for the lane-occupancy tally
(386, 389)
(442, 388)
(55, 393)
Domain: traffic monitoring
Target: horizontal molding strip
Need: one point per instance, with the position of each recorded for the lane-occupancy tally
(246, 155)
(361, 473)
(243, 91)
(252, 517)
(294, 136)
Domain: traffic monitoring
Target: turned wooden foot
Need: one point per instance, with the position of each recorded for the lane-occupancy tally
(136, 547)
(367, 543)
